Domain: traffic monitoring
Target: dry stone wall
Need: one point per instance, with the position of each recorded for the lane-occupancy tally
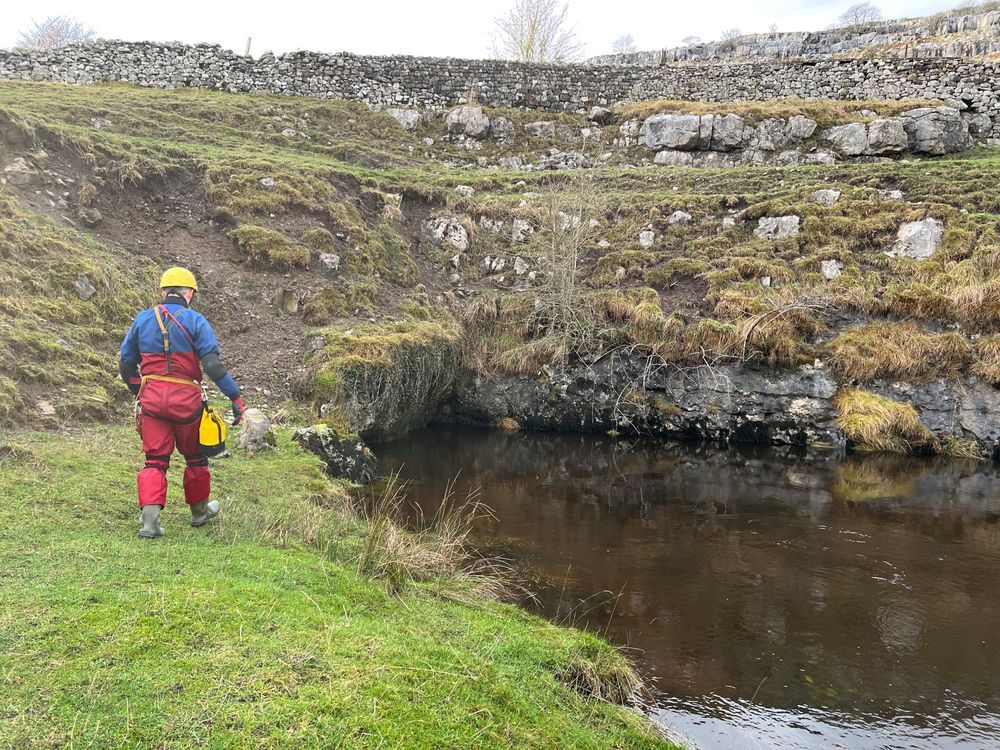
(399, 81)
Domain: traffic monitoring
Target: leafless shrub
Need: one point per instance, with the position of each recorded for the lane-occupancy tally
(55, 32)
(623, 45)
(536, 31)
(859, 13)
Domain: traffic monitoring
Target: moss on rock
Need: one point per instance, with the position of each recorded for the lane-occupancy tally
(385, 379)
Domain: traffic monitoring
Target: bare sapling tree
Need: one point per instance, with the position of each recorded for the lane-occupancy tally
(859, 13)
(564, 236)
(691, 40)
(536, 31)
(730, 34)
(623, 45)
(55, 32)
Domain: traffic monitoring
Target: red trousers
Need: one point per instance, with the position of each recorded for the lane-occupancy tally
(159, 437)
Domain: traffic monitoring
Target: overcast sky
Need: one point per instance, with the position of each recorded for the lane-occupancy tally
(455, 28)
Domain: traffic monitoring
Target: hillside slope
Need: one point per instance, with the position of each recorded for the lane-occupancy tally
(503, 245)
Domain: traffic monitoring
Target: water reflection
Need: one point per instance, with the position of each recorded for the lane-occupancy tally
(776, 599)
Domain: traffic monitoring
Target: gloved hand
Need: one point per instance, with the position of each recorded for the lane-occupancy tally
(237, 410)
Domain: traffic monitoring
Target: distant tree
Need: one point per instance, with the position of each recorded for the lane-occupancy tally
(691, 40)
(623, 45)
(859, 13)
(730, 34)
(536, 31)
(55, 32)
(773, 28)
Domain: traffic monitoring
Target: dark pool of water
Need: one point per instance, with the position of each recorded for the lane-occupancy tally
(773, 600)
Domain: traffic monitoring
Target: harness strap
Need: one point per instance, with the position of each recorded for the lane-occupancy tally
(166, 335)
(166, 379)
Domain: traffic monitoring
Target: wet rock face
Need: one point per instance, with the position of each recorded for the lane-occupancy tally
(727, 404)
(346, 457)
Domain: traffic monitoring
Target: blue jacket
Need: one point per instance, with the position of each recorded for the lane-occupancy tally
(192, 345)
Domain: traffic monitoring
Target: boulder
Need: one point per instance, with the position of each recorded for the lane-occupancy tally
(980, 125)
(647, 237)
(672, 130)
(446, 231)
(20, 172)
(501, 128)
(601, 115)
(468, 120)
(849, 140)
(286, 299)
(84, 288)
(891, 195)
(521, 230)
(345, 456)
(936, 130)
(671, 158)
(328, 263)
(256, 433)
(410, 119)
(826, 197)
(541, 129)
(886, 137)
(679, 217)
(831, 269)
(772, 135)
(520, 266)
(727, 132)
(918, 239)
(267, 183)
(90, 216)
(826, 158)
(467, 191)
(777, 227)
(800, 127)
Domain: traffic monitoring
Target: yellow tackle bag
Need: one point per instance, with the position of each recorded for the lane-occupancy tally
(212, 434)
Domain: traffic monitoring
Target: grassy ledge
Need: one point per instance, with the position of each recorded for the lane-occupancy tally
(259, 631)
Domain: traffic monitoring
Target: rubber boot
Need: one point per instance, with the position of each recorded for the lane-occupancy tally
(203, 512)
(149, 517)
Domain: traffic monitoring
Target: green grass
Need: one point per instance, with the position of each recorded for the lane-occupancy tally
(258, 631)
(55, 346)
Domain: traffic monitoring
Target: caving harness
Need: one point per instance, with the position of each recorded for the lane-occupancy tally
(212, 431)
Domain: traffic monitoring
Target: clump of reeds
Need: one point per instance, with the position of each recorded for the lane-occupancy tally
(435, 549)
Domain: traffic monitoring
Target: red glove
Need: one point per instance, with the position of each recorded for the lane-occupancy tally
(237, 410)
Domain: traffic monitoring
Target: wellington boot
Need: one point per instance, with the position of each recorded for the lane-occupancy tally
(149, 517)
(204, 511)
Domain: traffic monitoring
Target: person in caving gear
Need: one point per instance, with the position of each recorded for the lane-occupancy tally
(161, 360)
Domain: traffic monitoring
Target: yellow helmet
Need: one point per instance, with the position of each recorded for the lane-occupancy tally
(178, 276)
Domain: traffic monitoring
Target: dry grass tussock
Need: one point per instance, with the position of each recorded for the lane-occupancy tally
(399, 552)
(605, 675)
(902, 351)
(873, 422)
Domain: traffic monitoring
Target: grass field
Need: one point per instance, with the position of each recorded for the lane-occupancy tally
(258, 631)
